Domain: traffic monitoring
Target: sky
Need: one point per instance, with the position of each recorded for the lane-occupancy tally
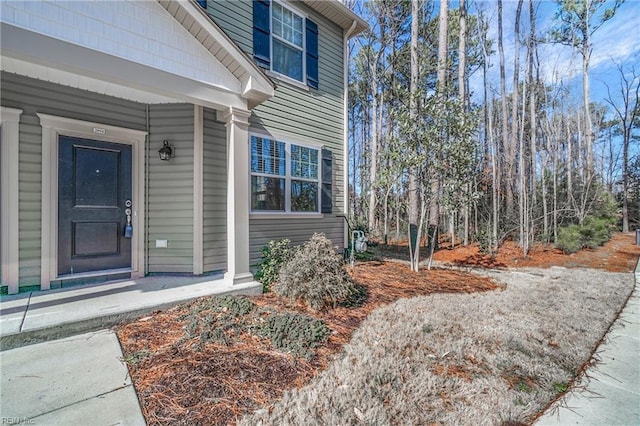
(617, 41)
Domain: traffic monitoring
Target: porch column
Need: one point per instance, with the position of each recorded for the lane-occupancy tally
(237, 123)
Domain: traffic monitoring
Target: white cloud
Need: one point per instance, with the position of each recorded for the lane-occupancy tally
(617, 40)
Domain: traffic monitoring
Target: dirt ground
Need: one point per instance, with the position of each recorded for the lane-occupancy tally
(180, 380)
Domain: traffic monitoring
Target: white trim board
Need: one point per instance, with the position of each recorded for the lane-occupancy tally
(52, 127)
(9, 143)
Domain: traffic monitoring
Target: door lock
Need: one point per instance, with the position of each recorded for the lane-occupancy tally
(128, 229)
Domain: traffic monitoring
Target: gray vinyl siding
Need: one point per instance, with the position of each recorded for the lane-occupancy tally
(299, 115)
(297, 230)
(236, 19)
(214, 206)
(36, 96)
(170, 189)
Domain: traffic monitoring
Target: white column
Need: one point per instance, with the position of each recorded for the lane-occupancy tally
(198, 158)
(9, 126)
(237, 123)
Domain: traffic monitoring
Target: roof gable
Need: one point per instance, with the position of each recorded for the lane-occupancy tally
(256, 86)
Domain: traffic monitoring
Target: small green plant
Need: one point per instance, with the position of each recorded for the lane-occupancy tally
(524, 387)
(137, 357)
(315, 275)
(274, 256)
(294, 333)
(560, 387)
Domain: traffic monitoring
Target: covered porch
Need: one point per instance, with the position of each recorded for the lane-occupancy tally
(192, 88)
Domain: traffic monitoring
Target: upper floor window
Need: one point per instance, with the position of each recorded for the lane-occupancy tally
(285, 41)
(285, 177)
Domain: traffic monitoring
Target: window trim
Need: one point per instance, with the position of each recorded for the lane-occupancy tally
(304, 17)
(288, 177)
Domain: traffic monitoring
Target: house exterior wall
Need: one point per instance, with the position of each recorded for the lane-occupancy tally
(170, 184)
(299, 115)
(214, 205)
(139, 31)
(170, 189)
(36, 96)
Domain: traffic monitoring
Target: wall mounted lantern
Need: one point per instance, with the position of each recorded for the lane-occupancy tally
(165, 152)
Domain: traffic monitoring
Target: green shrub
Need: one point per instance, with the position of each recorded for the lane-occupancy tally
(315, 275)
(295, 333)
(216, 319)
(594, 232)
(569, 240)
(274, 256)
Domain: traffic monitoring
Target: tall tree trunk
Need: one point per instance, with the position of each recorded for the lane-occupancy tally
(588, 130)
(533, 117)
(490, 142)
(462, 68)
(505, 129)
(434, 201)
(373, 166)
(414, 240)
(516, 140)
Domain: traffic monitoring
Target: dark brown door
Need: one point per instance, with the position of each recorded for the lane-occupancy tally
(94, 193)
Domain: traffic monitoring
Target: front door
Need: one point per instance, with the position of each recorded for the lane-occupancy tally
(94, 200)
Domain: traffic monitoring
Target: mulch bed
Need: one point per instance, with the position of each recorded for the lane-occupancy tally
(620, 254)
(180, 380)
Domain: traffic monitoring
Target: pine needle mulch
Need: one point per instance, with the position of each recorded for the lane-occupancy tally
(181, 380)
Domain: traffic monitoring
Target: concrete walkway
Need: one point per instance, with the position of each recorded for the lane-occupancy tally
(82, 380)
(609, 392)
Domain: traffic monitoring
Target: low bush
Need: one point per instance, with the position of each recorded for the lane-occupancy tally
(274, 256)
(569, 240)
(594, 232)
(315, 275)
(294, 333)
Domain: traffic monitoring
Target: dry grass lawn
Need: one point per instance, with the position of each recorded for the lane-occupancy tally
(485, 358)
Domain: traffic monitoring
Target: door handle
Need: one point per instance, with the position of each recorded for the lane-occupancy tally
(128, 228)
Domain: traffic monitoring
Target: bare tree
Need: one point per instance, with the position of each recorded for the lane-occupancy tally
(443, 30)
(579, 20)
(627, 113)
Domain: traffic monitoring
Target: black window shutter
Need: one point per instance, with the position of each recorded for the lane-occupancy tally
(327, 181)
(202, 3)
(261, 33)
(312, 54)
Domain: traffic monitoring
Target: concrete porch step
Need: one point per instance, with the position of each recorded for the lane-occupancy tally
(54, 314)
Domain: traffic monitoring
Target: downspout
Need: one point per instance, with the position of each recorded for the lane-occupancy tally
(345, 148)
